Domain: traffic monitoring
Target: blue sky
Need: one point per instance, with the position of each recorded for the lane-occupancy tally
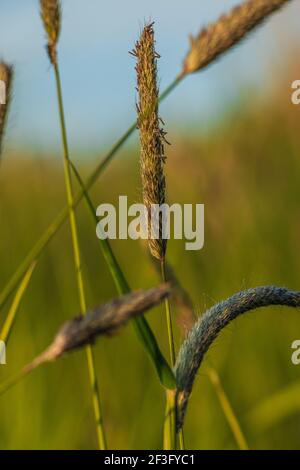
(98, 73)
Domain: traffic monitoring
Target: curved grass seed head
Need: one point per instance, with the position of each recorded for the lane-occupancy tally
(208, 327)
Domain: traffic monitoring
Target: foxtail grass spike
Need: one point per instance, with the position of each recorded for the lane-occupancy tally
(51, 16)
(6, 78)
(222, 35)
(81, 331)
(152, 136)
(210, 325)
(103, 320)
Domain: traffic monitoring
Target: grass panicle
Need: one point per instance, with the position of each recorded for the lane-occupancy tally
(152, 136)
(103, 320)
(51, 16)
(210, 325)
(6, 77)
(222, 35)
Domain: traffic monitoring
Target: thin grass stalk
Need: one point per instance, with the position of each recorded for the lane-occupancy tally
(77, 259)
(228, 410)
(170, 434)
(14, 380)
(11, 316)
(168, 318)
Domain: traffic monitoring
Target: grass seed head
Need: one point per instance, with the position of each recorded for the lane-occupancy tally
(152, 136)
(51, 16)
(103, 320)
(208, 327)
(219, 37)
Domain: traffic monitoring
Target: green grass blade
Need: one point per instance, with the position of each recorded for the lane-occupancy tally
(10, 319)
(170, 437)
(141, 325)
(170, 441)
(229, 414)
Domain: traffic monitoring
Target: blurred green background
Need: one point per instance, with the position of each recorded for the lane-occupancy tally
(246, 170)
(235, 147)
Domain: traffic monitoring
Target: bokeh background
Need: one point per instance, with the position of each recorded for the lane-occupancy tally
(235, 147)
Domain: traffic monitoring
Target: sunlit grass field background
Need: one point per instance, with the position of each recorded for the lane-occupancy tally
(246, 170)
